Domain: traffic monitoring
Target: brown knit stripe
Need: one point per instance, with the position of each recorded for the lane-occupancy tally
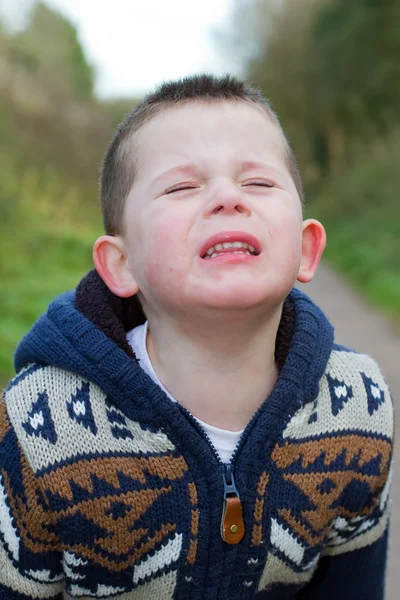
(191, 555)
(123, 536)
(4, 422)
(30, 529)
(142, 550)
(262, 484)
(194, 528)
(107, 469)
(322, 515)
(324, 489)
(192, 493)
(300, 529)
(356, 447)
(257, 535)
(259, 509)
(194, 524)
(35, 524)
(36, 537)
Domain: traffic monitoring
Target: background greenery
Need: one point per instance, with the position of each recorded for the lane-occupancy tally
(330, 67)
(332, 70)
(53, 133)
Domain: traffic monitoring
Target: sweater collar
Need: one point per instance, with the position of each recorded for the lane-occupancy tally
(115, 316)
(85, 332)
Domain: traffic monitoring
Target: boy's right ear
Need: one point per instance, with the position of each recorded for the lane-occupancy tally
(110, 260)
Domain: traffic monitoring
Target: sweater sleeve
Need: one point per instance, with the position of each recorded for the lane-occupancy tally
(357, 574)
(30, 560)
(353, 564)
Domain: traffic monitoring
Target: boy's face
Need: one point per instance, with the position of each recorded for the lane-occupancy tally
(210, 174)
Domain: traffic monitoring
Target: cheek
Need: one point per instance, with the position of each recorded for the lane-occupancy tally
(285, 232)
(166, 251)
(286, 226)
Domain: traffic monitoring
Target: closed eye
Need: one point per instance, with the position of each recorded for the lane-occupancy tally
(267, 184)
(181, 188)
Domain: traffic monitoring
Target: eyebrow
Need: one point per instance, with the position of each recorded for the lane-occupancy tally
(194, 170)
(249, 165)
(187, 169)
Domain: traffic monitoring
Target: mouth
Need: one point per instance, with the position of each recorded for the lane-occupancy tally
(230, 243)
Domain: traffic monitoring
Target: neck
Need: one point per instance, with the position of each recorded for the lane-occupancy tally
(220, 371)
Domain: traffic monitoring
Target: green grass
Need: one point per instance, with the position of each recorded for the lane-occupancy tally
(38, 269)
(46, 238)
(47, 229)
(361, 213)
(362, 252)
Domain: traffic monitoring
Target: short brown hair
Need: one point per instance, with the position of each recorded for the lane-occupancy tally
(118, 169)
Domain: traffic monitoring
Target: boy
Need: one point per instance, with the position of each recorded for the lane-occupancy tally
(183, 425)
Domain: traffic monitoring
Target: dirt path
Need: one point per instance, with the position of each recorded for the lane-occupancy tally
(361, 327)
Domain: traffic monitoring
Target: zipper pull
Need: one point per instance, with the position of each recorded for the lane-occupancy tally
(232, 526)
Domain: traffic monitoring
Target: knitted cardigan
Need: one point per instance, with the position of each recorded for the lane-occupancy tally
(110, 490)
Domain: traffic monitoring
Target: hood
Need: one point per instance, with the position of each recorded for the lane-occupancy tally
(85, 332)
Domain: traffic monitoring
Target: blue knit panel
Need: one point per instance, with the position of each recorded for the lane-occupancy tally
(357, 574)
(280, 592)
(19, 492)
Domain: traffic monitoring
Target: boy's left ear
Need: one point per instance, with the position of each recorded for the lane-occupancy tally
(314, 241)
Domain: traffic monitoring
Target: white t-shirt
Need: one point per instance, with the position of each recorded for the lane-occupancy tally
(223, 440)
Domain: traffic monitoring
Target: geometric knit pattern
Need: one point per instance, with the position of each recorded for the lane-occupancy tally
(340, 393)
(107, 487)
(376, 395)
(39, 420)
(119, 428)
(79, 409)
(112, 490)
(334, 465)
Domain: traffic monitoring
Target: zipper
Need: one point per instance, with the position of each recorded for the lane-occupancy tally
(232, 524)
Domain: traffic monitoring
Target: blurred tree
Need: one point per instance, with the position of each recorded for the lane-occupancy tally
(14, 14)
(50, 48)
(116, 108)
(53, 133)
(331, 67)
(51, 118)
(357, 46)
(280, 59)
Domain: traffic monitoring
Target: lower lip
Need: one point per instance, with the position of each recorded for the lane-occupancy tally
(231, 258)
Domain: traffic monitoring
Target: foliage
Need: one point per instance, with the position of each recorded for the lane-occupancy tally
(361, 212)
(331, 68)
(53, 133)
(50, 49)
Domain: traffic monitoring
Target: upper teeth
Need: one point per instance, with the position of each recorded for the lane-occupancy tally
(225, 245)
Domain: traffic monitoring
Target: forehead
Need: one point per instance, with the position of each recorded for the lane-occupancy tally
(207, 132)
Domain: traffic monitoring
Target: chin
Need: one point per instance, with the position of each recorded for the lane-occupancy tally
(243, 297)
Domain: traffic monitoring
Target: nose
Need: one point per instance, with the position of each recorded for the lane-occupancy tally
(227, 198)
